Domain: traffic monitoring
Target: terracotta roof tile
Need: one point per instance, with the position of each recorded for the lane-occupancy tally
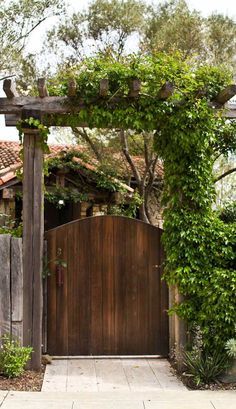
(10, 159)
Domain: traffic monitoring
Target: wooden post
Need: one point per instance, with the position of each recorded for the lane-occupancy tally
(32, 244)
(177, 329)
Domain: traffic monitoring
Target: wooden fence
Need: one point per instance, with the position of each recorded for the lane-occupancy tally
(11, 286)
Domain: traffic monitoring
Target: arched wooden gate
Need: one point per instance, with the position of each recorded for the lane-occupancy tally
(110, 299)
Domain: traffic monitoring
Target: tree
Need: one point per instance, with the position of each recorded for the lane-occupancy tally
(108, 26)
(18, 19)
(105, 27)
(221, 39)
(172, 26)
(118, 148)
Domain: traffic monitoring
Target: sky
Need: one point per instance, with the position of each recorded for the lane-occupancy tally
(206, 7)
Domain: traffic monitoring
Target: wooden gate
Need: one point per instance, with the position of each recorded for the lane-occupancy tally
(110, 299)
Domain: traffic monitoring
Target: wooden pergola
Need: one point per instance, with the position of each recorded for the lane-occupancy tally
(47, 109)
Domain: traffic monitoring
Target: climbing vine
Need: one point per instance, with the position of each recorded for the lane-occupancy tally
(33, 123)
(201, 249)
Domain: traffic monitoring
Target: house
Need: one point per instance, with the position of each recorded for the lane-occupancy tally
(75, 185)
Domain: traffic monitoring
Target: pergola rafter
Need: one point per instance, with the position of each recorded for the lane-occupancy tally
(47, 109)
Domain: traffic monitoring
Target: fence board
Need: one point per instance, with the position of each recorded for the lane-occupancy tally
(16, 288)
(5, 299)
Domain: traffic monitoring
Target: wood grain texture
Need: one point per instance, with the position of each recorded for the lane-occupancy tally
(32, 244)
(16, 288)
(5, 299)
(113, 301)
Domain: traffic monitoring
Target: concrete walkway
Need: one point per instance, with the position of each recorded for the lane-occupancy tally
(107, 375)
(119, 400)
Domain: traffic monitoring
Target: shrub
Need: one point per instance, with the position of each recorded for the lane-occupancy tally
(13, 357)
(204, 369)
(228, 214)
(230, 347)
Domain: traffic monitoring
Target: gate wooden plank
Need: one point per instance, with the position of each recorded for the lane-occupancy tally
(144, 331)
(5, 301)
(131, 271)
(96, 340)
(164, 302)
(154, 291)
(62, 301)
(79, 288)
(51, 292)
(108, 307)
(120, 278)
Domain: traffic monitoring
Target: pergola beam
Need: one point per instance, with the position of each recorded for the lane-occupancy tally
(9, 87)
(225, 95)
(42, 88)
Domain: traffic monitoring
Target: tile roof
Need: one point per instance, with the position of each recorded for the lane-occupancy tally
(10, 159)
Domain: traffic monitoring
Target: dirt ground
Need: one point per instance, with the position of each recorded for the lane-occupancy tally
(28, 381)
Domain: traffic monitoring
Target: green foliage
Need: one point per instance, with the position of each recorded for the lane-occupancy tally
(60, 195)
(57, 261)
(13, 357)
(18, 19)
(228, 213)
(200, 248)
(146, 112)
(33, 123)
(107, 26)
(204, 369)
(10, 226)
(171, 25)
(230, 347)
(127, 209)
(100, 175)
(165, 30)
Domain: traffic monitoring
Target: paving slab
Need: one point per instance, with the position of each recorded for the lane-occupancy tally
(165, 374)
(37, 404)
(3, 395)
(180, 404)
(109, 405)
(224, 403)
(125, 396)
(120, 400)
(111, 374)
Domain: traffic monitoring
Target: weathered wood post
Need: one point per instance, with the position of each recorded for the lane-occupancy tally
(32, 243)
(178, 328)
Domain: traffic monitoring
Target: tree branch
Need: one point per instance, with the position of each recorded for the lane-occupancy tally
(125, 150)
(88, 140)
(25, 35)
(228, 172)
